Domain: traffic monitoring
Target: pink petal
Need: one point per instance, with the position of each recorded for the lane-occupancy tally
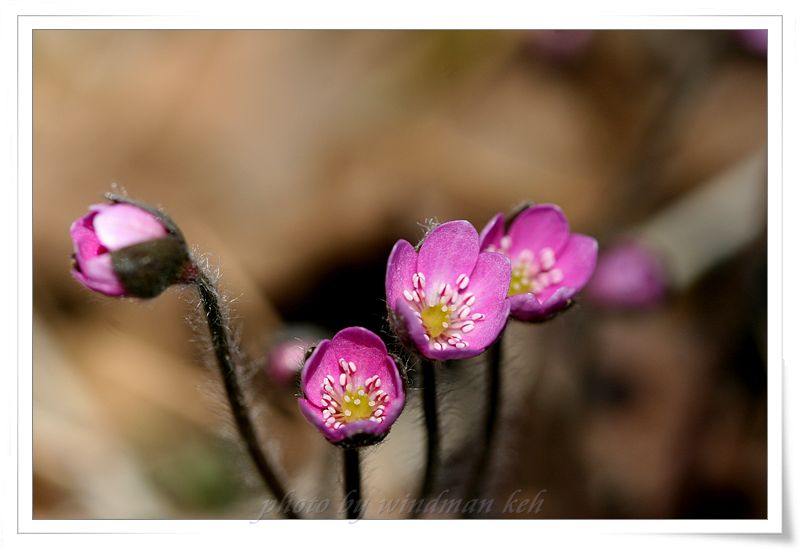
(122, 225)
(527, 307)
(450, 250)
(489, 282)
(413, 328)
(84, 239)
(374, 428)
(400, 269)
(368, 352)
(313, 414)
(97, 274)
(577, 260)
(493, 232)
(318, 365)
(538, 227)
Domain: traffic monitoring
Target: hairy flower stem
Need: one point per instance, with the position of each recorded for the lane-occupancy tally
(477, 482)
(352, 484)
(220, 340)
(432, 427)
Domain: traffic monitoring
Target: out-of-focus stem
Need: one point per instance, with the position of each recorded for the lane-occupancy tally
(220, 340)
(477, 483)
(432, 429)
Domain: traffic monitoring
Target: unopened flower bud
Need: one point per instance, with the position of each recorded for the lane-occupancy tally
(127, 249)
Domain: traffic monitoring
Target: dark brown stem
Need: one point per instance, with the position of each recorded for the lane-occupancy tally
(220, 340)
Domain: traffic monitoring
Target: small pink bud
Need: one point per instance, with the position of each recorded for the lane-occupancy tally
(127, 249)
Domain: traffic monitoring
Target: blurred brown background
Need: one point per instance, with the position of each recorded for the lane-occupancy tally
(295, 159)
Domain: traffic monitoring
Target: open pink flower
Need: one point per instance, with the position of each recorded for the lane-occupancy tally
(549, 264)
(449, 299)
(122, 249)
(352, 389)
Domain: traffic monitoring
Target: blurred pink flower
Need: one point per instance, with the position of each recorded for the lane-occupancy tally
(628, 275)
(560, 44)
(285, 360)
(755, 40)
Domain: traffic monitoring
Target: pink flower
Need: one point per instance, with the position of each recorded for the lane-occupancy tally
(448, 299)
(123, 249)
(285, 360)
(352, 389)
(561, 44)
(628, 275)
(549, 265)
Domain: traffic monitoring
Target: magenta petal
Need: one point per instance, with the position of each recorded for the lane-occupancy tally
(448, 251)
(84, 239)
(97, 274)
(315, 369)
(313, 414)
(538, 227)
(528, 308)
(400, 268)
(369, 354)
(493, 232)
(412, 326)
(489, 283)
(577, 260)
(122, 225)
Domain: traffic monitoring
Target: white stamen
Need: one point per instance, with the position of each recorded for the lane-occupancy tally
(342, 379)
(547, 258)
(352, 366)
(408, 295)
(478, 316)
(462, 282)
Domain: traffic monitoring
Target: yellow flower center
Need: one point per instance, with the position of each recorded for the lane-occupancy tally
(355, 406)
(434, 319)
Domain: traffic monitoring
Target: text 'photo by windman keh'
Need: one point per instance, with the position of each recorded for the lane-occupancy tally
(399, 274)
